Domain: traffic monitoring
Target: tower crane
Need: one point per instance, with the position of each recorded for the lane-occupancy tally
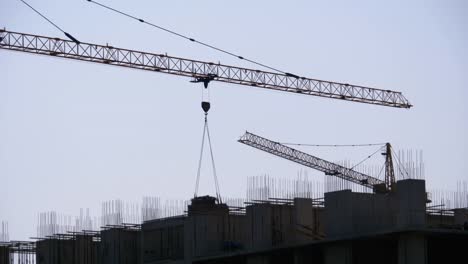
(199, 71)
(329, 168)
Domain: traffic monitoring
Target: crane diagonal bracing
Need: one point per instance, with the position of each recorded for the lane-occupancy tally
(329, 168)
(198, 69)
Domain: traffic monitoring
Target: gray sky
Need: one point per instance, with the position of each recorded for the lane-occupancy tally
(73, 134)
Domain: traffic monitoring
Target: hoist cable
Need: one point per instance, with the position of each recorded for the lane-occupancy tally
(190, 38)
(206, 133)
(52, 23)
(200, 160)
(218, 195)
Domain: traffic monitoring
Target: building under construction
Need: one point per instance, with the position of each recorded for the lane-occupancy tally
(382, 221)
(388, 221)
(341, 227)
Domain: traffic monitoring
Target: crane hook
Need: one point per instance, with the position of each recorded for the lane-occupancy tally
(205, 106)
(205, 80)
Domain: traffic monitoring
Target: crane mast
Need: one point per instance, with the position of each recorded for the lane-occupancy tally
(198, 70)
(329, 168)
(389, 171)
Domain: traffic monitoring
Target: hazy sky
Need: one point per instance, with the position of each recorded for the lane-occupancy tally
(73, 134)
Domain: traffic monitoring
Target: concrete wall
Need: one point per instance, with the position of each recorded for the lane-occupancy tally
(338, 253)
(460, 217)
(54, 251)
(209, 233)
(270, 224)
(259, 224)
(412, 249)
(304, 220)
(258, 260)
(236, 236)
(339, 213)
(86, 251)
(83, 250)
(163, 239)
(283, 226)
(120, 246)
(307, 220)
(439, 221)
(348, 213)
(4, 255)
(208, 229)
(410, 203)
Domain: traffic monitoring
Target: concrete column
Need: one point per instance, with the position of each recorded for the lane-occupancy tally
(412, 249)
(411, 203)
(340, 253)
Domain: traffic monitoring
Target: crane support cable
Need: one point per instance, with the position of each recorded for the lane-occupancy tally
(189, 38)
(68, 35)
(366, 158)
(400, 164)
(334, 145)
(163, 63)
(344, 145)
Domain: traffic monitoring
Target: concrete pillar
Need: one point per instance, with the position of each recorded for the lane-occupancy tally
(412, 249)
(339, 253)
(410, 203)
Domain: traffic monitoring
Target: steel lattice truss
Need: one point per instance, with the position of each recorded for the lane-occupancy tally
(329, 168)
(198, 69)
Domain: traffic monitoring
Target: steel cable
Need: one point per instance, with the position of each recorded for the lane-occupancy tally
(206, 132)
(68, 35)
(368, 157)
(190, 38)
(200, 160)
(336, 145)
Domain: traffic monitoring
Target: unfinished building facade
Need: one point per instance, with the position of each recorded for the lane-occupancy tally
(342, 227)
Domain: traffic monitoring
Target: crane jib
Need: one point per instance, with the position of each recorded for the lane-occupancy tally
(329, 168)
(198, 69)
